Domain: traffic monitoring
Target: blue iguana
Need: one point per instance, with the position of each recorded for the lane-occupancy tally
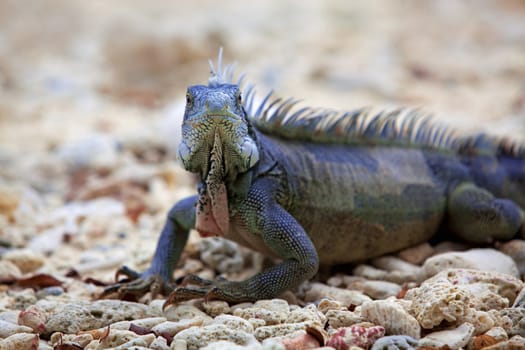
(319, 187)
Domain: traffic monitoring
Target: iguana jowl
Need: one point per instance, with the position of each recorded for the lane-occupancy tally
(319, 187)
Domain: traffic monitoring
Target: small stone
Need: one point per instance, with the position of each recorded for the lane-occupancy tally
(516, 250)
(222, 255)
(374, 289)
(20, 341)
(160, 343)
(309, 313)
(228, 345)
(7, 329)
(517, 316)
(140, 343)
(10, 316)
(273, 311)
(8, 271)
(81, 340)
(356, 335)
(216, 307)
(234, 322)
(392, 316)
(514, 343)
(343, 318)
(392, 263)
(395, 342)
(328, 304)
(300, 342)
(198, 337)
(279, 330)
(346, 297)
(497, 333)
(475, 259)
(416, 254)
(454, 338)
(185, 311)
(26, 260)
(172, 328)
(34, 318)
(83, 315)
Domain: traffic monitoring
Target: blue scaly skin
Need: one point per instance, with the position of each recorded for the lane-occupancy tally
(317, 187)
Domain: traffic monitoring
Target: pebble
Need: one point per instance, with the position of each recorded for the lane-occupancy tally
(395, 276)
(517, 316)
(160, 343)
(491, 337)
(26, 260)
(309, 313)
(358, 335)
(342, 318)
(514, 343)
(85, 315)
(228, 345)
(81, 340)
(8, 329)
(234, 322)
(374, 289)
(300, 342)
(273, 311)
(417, 254)
(185, 311)
(9, 271)
(172, 328)
(453, 338)
(516, 250)
(393, 263)
(20, 341)
(198, 337)
(329, 304)
(476, 259)
(279, 330)
(97, 151)
(395, 342)
(216, 307)
(10, 316)
(392, 316)
(318, 291)
(221, 254)
(33, 318)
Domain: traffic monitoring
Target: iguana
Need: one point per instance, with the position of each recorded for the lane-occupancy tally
(319, 187)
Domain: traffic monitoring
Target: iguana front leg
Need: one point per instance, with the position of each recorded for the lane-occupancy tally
(158, 277)
(262, 216)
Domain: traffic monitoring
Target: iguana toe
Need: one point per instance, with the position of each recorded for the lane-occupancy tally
(181, 294)
(137, 284)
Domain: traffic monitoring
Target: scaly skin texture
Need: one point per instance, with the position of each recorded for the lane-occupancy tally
(312, 203)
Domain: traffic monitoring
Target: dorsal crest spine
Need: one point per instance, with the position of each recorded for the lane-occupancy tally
(365, 126)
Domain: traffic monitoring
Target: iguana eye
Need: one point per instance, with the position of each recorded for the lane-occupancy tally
(239, 99)
(189, 99)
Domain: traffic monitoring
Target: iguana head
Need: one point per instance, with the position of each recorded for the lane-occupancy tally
(215, 132)
(218, 144)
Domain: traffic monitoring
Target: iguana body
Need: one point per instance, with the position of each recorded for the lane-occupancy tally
(314, 187)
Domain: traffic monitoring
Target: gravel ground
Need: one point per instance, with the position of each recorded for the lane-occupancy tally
(90, 108)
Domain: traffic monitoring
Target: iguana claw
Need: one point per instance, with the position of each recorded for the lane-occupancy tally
(136, 284)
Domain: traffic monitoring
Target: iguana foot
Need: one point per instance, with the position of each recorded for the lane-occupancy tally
(194, 287)
(137, 284)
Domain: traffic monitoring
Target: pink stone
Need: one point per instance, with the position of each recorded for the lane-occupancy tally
(355, 335)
